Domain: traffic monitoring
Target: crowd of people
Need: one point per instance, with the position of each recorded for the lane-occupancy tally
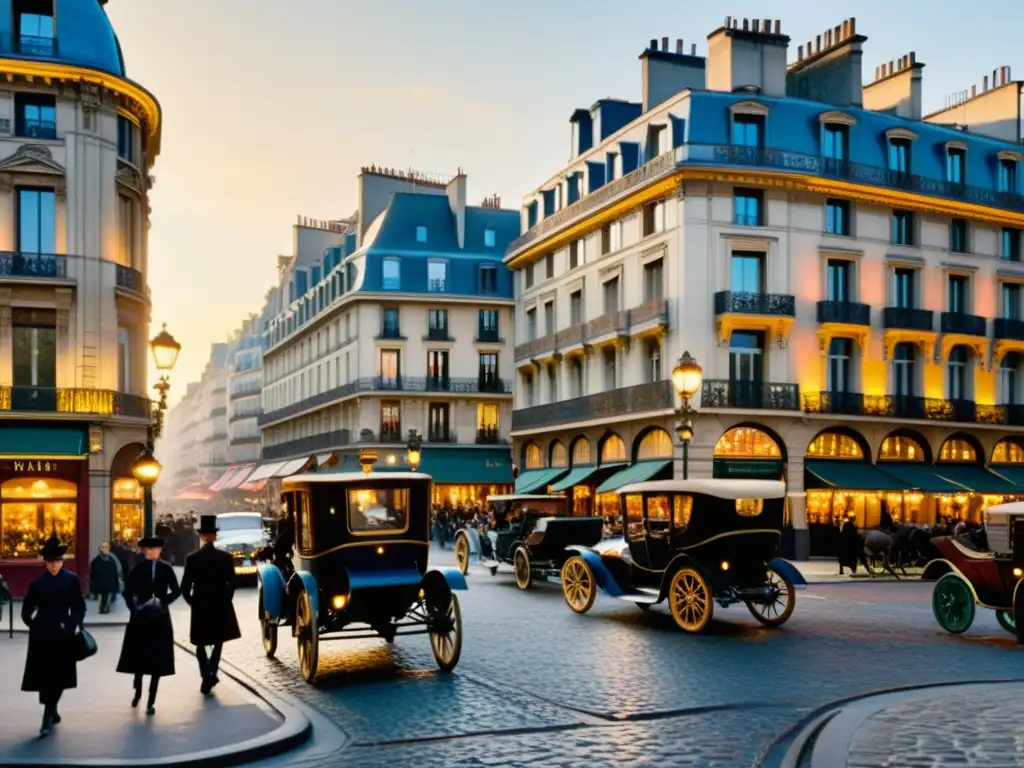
(446, 519)
(179, 534)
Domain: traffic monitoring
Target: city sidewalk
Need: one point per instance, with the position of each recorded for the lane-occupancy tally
(99, 727)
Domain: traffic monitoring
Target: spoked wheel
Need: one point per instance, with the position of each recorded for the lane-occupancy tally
(953, 603)
(578, 584)
(462, 554)
(307, 637)
(268, 627)
(446, 634)
(690, 599)
(1005, 619)
(778, 606)
(524, 578)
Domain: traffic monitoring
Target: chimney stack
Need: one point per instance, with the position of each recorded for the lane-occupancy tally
(664, 44)
(829, 68)
(750, 56)
(896, 88)
(664, 73)
(679, 46)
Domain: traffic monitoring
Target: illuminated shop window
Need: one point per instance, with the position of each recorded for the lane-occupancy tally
(958, 450)
(656, 444)
(470, 495)
(832, 445)
(559, 456)
(32, 509)
(746, 443)
(534, 456)
(901, 448)
(126, 510)
(581, 453)
(1008, 452)
(613, 449)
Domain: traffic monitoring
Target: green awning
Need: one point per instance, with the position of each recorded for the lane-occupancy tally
(1013, 473)
(537, 480)
(484, 466)
(923, 477)
(43, 443)
(977, 478)
(643, 470)
(580, 475)
(850, 476)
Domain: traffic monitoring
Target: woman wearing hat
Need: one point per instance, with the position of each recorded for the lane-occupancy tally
(53, 610)
(148, 647)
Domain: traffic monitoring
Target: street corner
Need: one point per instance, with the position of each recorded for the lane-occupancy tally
(99, 727)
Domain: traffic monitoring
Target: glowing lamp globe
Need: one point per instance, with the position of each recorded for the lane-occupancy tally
(165, 350)
(146, 469)
(687, 376)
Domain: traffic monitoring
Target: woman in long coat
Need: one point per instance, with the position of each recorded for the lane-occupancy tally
(148, 647)
(53, 610)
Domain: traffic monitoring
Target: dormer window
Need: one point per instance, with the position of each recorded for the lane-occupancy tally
(1007, 181)
(421, 234)
(437, 276)
(33, 24)
(900, 140)
(835, 141)
(956, 163)
(488, 238)
(747, 130)
(391, 275)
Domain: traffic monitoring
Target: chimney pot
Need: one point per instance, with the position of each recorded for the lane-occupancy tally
(799, 53)
(878, 73)
(728, 22)
(817, 46)
(984, 84)
(828, 39)
(853, 26)
(846, 29)
(664, 44)
(735, 23)
(679, 45)
(913, 58)
(654, 44)
(755, 25)
(746, 25)
(693, 49)
(994, 83)
(974, 91)
(766, 26)
(778, 26)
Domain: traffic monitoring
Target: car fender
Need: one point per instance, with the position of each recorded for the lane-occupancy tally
(473, 537)
(273, 587)
(935, 569)
(451, 576)
(605, 578)
(682, 560)
(790, 571)
(304, 581)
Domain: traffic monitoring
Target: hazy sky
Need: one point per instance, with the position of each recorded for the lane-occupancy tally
(271, 106)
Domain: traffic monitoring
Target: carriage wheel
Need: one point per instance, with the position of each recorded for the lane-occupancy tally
(307, 637)
(578, 584)
(953, 603)
(690, 599)
(268, 627)
(446, 635)
(524, 578)
(1005, 619)
(779, 607)
(462, 554)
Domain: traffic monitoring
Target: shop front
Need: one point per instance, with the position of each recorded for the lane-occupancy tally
(465, 477)
(584, 478)
(44, 491)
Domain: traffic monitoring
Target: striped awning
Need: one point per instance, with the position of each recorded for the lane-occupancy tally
(220, 481)
(290, 467)
(265, 471)
(238, 478)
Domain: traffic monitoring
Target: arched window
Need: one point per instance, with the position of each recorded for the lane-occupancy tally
(957, 368)
(747, 443)
(559, 457)
(901, 448)
(32, 509)
(581, 452)
(834, 445)
(613, 449)
(958, 449)
(1008, 452)
(656, 444)
(534, 456)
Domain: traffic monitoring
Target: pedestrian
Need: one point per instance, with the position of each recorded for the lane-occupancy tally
(148, 647)
(124, 556)
(105, 577)
(53, 610)
(849, 545)
(208, 586)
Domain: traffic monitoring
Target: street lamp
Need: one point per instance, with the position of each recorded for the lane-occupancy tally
(146, 469)
(414, 450)
(165, 349)
(687, 378)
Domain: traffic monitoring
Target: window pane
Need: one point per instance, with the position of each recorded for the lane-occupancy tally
(378, 511)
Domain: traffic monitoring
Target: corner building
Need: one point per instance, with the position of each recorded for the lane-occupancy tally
(846, 269)
(77, 143)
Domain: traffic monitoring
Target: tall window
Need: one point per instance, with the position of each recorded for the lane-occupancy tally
(1011, 301)
(747, 207)
(488, 370)
(126, 230)
(576, 377)
(746, 356)
(389, 328)
(531, 324)
(437, 276)
(437, 369)
(654, 282)
(610, 293)
(902, 228)
(1009, 378)
(899, 155)
(124, 360)
(34, 25)
(35, 116)
(747, 130)
(652, 355)
(391, 274)
(957, 299)
(487, 420)
(390, 420)
(549, 317)
(1008, 176)
(610, 368)
(575, 249)
(903, 365)
(549, 266)
(837, 217)
(437, 323)
(839, 355)
(747, 273)
(1010, 244)
(36, 226)
(903, 288)
(438, 423)
(956, 374)
(528, 277)
(488, 330)
(125, 139)
(956, 163)
(654, 218)
(615, 233)
(488, 280)
(35, 348)
(958, 235)
(576, 308)
(834, 141)
(839, 280)
(390, 368)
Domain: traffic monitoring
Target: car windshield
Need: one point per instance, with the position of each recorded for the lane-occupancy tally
(240, 523)
(378, 510)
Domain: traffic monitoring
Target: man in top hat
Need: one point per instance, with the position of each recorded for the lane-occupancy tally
(209, 586)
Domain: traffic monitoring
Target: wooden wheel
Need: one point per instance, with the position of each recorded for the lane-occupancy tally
(462, 553)
(268, 627)
(446, 634)
(578, 584)
(778, 607)
(307, 637)
(524, 578)
(690, 599)
(953, 603)
(1005, 619)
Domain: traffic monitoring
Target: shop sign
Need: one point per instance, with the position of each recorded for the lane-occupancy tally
(768, 470)
(34, 466)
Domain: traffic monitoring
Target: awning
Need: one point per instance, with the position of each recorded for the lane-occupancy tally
(923, 477)
(256, 487)
(1015, 474)
(238, 478)
(638, 473)
(220, 481)
(468, 466)
(977, 478)
(324, 459)
(289, 468)
(533, 480)
(852, 476)
(263, 471)
(580, 475)
(194, 492)
(43, 443)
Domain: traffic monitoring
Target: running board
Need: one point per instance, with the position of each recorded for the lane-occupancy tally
(641, 598)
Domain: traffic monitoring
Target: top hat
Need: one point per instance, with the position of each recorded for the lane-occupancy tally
(150, 541)
(207, 524)
(52, 549)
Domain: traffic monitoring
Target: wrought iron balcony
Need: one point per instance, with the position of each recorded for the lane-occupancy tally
(391, 433)
(438, 384)
(1003, 328)
(36, 45)
(16, 264)
(306, 446)
(743, 303)
(130, 278)
(907, 318)
(441, 434)
(903, 407)
(848, 312)
(492, 385)
(643, 398)
(489, 335)
(758, 395)
(488, 435)
(390, 332)
(438, 334)
(958, 322)
(101, 402)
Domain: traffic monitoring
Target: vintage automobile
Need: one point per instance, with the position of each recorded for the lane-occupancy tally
(983, 570)
(530, 533)
(694, 543)
(360, 567)
(243, 535)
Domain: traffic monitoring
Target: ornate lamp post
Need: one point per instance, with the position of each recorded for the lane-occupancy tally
(687, 378)
(414, 450)
(146, 468)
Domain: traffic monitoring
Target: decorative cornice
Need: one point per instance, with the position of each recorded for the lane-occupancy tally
(837, 117)
(901, 133)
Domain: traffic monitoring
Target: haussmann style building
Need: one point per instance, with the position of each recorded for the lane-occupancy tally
(845, 267)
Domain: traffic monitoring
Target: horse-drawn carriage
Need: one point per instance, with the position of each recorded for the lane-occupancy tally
(360, 567)
(984, 568)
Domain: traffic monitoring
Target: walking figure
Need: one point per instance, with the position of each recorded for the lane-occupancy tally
(53, 610)
(148, 647)
(209, 586)
(105, 577)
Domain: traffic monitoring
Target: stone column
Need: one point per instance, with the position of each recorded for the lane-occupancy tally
(6, 343)
(798, 506)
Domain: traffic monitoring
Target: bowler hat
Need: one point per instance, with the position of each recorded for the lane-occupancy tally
(52, 549)
(150, 541)
(208, 524)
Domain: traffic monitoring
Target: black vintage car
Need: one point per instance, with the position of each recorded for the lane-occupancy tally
(694, 543)
(529, 532)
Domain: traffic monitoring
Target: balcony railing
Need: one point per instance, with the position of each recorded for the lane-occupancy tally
(743, 303)
(306, 446)
(15, 264)
(904, 407)
(757, 395)
(441, 435)
(1003, 328)
(489, 335)
(102, 402)
(488, 435)
(438, 384)
(642, 398)
(438, 334)
(130, 278)
(621, 322)
(390, 332)
(849, 312)
(35, 45)
(958, 322)
(390, 433)
(35, 128)
(907, 318)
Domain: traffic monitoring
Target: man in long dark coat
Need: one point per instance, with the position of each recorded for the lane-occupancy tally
(53, 610)
(148, 647)
(209, 586)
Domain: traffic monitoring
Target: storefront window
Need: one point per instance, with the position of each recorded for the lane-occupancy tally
(1008, 452)
(534, 458)
(559, 457)
(634, 516)
(747, 443)
(32, 510)
(581, 452)
(471, 495)
(613, 449)
(656, 444)
(832, 445)
(581, 500)
(126, 510)
(901, 448)
(958, 450)
(608, 505)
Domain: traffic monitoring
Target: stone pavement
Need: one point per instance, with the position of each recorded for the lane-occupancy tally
(99, 726)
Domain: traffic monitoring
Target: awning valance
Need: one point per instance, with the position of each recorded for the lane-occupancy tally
(290, 468)
(977, 478)
(43, 443)
(468, 466)
(264, 471)
(638, 473)
(581, 475)
(851, 476)
(238, 478)
(1013, 473)
(534, 480)
(922, 477)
